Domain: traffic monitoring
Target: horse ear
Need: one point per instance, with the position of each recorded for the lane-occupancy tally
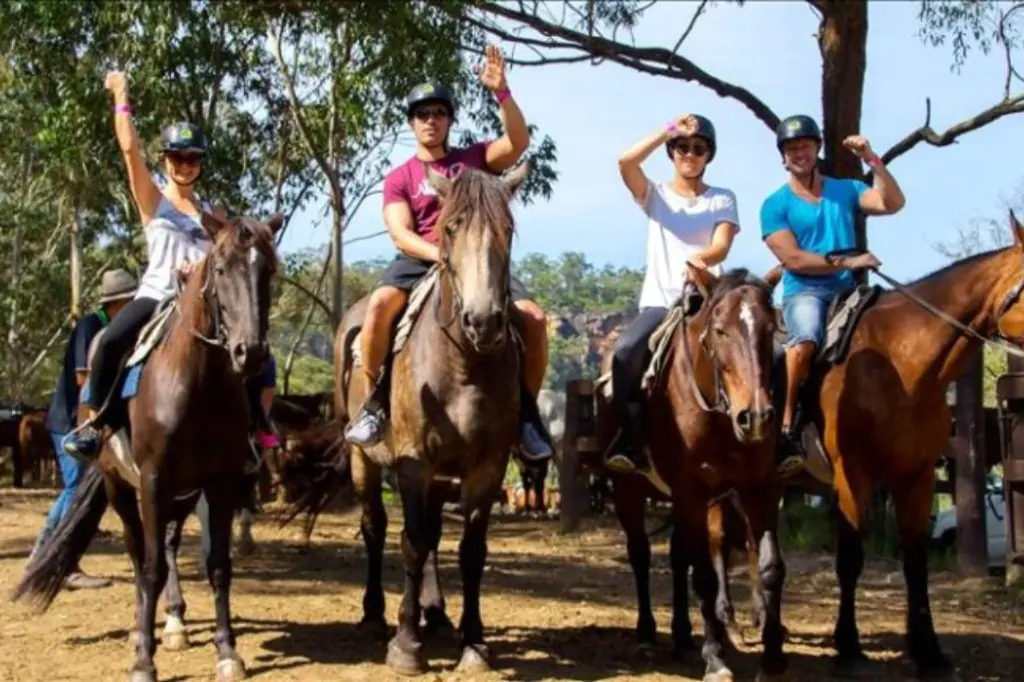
(440, 183)
(1017, 229)
(212, 224)
(773, 277)
(515, 179)
(703, 278)
(275, 222)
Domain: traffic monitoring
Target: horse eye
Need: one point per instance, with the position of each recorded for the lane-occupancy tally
(219, 270)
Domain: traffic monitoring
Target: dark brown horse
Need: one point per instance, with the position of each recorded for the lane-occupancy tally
(189, 423)
(885, 420)
(712, 438)
(455, 411)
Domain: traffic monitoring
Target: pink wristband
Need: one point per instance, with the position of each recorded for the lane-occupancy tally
(122, 109)
(503, 95)
(874, 161)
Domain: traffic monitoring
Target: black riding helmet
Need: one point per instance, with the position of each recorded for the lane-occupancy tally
(796, 128)
(429, 93)
(706, 130)
(183, 137)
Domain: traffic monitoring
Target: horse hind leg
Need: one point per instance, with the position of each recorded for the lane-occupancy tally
(373, 526)
(849, 566)
(629, 505)
(913, 508)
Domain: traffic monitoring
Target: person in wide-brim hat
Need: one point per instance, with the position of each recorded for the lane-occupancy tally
(117, 289)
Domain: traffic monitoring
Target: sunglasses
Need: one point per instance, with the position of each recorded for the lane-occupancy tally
(186, 159)
(696, 148)
(427, 114)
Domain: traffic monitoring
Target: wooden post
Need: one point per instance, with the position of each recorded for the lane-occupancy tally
(972, 547)
(1010, 390)
(572, 479)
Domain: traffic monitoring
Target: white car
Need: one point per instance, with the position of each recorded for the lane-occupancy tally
(944, 530)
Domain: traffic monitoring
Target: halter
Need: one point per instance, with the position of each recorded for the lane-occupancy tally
(721, 397)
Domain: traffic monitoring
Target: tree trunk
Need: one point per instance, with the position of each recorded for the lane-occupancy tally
(337, 232)
(842, 40)
(76, 267)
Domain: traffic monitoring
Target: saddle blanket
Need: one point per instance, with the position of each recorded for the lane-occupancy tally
(417, 297)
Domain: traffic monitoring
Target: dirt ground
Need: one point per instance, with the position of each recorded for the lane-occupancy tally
(555, 608)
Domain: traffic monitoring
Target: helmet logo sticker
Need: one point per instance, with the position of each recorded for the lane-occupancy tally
(428, 89)
(186, 134)
(793, 125)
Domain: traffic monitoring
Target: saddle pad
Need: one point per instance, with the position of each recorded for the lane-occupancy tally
(133, 377)
(417, 297)
(152, 333)
(659, 343)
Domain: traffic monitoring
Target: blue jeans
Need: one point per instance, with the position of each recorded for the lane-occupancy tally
(804, 314)
(71, 472)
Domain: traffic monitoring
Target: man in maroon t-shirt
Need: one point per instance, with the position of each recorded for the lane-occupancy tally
(411, 209)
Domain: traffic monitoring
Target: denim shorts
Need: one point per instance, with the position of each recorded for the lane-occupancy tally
(804, 314)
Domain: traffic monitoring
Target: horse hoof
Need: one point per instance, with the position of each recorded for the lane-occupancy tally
(404, 662)
(142, 676)
(230, 670)
(850, 665)
(474, 660)
(375, 629)
(723, 675)
(175, 641)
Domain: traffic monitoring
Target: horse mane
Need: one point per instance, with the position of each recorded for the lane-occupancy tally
(956, 266)
(733, 279)
(483, 193)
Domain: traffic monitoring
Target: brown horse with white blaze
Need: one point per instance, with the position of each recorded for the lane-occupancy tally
(189, 422)
(885, 421)
(712, 434)
(454, 387)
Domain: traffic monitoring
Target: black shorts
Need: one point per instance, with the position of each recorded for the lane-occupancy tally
(405, 272)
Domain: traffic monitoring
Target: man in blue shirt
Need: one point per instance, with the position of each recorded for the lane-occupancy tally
(802, 221)
(117, 288)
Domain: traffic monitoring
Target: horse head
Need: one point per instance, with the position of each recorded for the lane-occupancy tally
(735, 329)
(1009, 315)
(233, 285)
(475, 230)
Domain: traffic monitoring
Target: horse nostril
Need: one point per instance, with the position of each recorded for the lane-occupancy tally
(238, 351)
(744, 419)
(768, 415)
(467, 321)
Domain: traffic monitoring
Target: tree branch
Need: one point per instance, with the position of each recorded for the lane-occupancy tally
(304, 289)
(643, 59)
(364, 237)
(1013, 105)
(689, 29)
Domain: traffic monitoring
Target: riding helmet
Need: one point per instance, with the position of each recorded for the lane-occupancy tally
(428, 93)
(706, 130)
(183, 137)
(796, 128)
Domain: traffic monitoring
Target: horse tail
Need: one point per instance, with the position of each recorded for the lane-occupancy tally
(61, 553)
(313, 472)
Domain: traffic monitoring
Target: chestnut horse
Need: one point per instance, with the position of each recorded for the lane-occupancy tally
(885, 421)
(712, 435)
(189, 422)
(455, 414)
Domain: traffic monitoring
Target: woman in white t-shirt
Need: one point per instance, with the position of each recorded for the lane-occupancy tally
(175, 240)
(688, 221)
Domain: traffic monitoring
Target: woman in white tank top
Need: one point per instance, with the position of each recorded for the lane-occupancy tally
(688, 222)
(175, 239)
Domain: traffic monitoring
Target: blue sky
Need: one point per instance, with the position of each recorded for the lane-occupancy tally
(593, 113)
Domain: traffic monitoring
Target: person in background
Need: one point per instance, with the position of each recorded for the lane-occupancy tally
(117, 288)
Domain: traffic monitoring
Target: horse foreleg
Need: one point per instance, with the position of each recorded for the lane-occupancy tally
(373, 524)
(629, 503)
(480, 489)
(913, 509)
(771, 567)
(691, 528)
(682, 629)
(175, 635)
(221, 499)
(155, 505)
(435, 617)
(405, 650)
(719, 550)
(849, 566)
